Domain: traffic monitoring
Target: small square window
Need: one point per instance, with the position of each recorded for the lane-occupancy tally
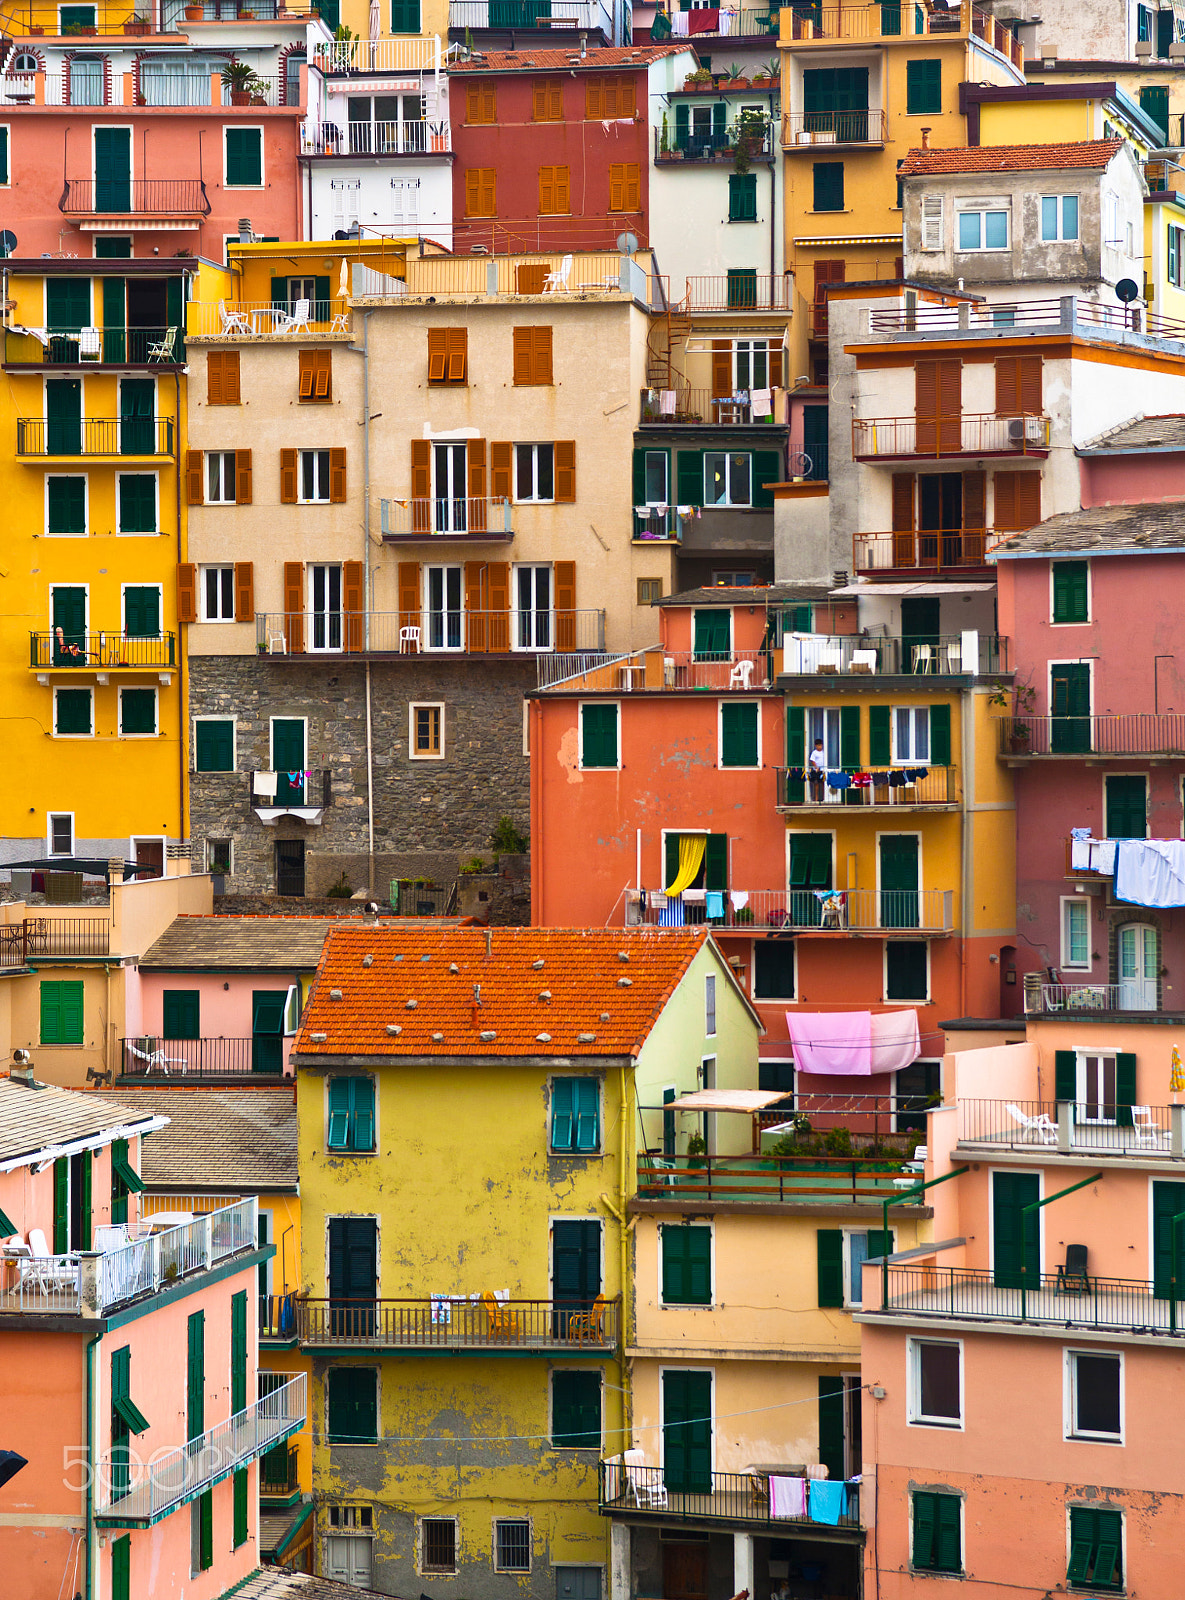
(936, 1382)
(1071, 591)
(512, 1545)
(351, 1114)
(352, 1404)
(425, 732)
(576, 1115)
(315, 375)
(598, 736)
(438, 1544)
(73, 713)
(1095, 1396)
(649, 592)
(214, 744)
(220, 856)
(61, 834)
(244, 158)
(742, 197)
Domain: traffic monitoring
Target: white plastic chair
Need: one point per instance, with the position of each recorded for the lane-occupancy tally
(409, 641)
(277, 645)
(863, 660)
(162, 349)
(643, 1484)
(1042, 1126)
(50, 1271)
(1147, 1131)
(90, 344)
(923, 658)
(741, 674)
(233, 321)
(297, 322)
(558, 279)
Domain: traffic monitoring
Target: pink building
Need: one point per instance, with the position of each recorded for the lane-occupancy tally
(129, 1356)
(1018, 1373)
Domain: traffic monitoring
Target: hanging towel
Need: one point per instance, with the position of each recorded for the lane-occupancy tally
(265, 785)
(714, 904)
(671, 915)
(1102, 855)
(706, 19)
(827, 1500)
(666, 402)
(787, 1497)
(1151, 872)
(833, 1043)
(1079, 852)
(442, 1310)
(895, 1039)
(1080, 833)
(679, 25)
(725, 23)
(739, 898)
(762, 402)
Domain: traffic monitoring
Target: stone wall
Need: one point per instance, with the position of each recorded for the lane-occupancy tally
(430, 815)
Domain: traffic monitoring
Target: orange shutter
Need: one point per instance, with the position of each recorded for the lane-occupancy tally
(1007, 387)
(437, 354)
(563, 190)
(1032, 401)
(186, 592)
(938, 406)
(565, 602)
(594, 99)
(230, 378)
(546, 191)
(721, 368)
(616, 186)
(476, 619)
(352, 603)
(542, 342)
(903, 537)
(473, 193)
(193, 477)
(565, 473)
(1018, 500)
(481, 102)
(457, 345)
(337, 477)
(825, 272)
(476, 459)
(523, 366)
(500, 471)
(294, 601)
(499, 618)
(287, 477)
(626, 97)
(214, 379)
(243, 477)
(1004, 490)
(633, 187)
(409, 594)
(529, 279)
(421, 486)
(974, 516)
(244, 591)
(775, 366)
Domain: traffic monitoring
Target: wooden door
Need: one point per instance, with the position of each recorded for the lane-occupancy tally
(63, 417)
(1069, 731)
(685, 1571)
(113, 169)
(899, 881)
(1015, 1238)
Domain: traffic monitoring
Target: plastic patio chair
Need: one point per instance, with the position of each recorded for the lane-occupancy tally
(1042, 1126)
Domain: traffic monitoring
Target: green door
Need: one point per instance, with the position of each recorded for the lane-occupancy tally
(63, 417)
(1127, 806)
(900, 899)
(238, 1352)
(1069, 731)
(288, 760)
(69, 614)
(1168, 1244)
(919, 625)
(137, 406)
(810, 872)
(687, 1431)
(267, 1030)
(835, 100)
(113, 169)
(1015, 1238)
(196, 1377)
(67, 309)
(815, 446)
(115, 341)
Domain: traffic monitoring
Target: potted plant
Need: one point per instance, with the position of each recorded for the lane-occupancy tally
(194, 13)
(690, 83)
(697, 1158)
(138, 25)
(438, 135)
(701, 81)
(664, 138)
(240, 80)
(735, 77)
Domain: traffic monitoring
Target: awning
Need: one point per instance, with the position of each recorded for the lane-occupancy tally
(747, 1100)
(866, 591)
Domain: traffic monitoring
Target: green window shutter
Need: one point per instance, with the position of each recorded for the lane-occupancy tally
(353, 1403)
(141, 612)
(8, 1227)
(576, 1410)
(86, 1176)
(686, 1264)
(924, 1525)
(240, 1508)
(671, 854)
(940, 736)
(712, 634)
(795, 753)
(362, 1129)
(214, 742)
(405, 16)
(66, 505)
(767, 469)
(3, 155)
(562, 1119)
(948, 1541)
(831, 1430)
(880, 1243)
(741, 292)
(879, 740)
(1082, 1543)
(67, 304)
(639, 477)
(1070, 586)
(61, 1205)
(1125, 1088)
(1154, 98)
(244, 158)
(738, 735)
(742, 197)
(196, 1375)
(137, 502)
(1126, 807)
(72, 711)
(923, 87)
(137, 711)
(716, 862)
(689, 477)
(828, 189)
(206, 1531)
(339, 1114)
(587, 1114)
(119, 1190)
(829, 1263)
(72, 1012)
(238, 1352)
(1065, 1075)
(181, 1013)
(121, 1568)
(598, 736)
(849, 736)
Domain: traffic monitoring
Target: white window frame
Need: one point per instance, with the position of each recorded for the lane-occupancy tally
(86, 505)
(203, 572)
(1070, 1431)
(73, 688)
(234, 740)
(139, 533)
(728, 503)
(1089, 618)
(155, 734)
(720, 705)
(319, 483)
(245, 187)
(1179, 280)
(1060, 236)
(571, 1450)
(423, 755)
(437, 1572)
(580, 705)
(885, 955)
(915, 713)
(692, 1222)
(1081, 1100)
(982, 209)
(1096, 1506)
(1075, 902)
(914, 1415)
(160, 606)
(710, 1000)
(533, 499)
(666, 457)
(849, 1301)
(520, 1571)
(229, 872)
(49, 821)
(533, 611)
(222, 456)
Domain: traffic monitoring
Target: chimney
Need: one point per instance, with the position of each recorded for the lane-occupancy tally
(925, 138)
(245, 235)
(21, 1070)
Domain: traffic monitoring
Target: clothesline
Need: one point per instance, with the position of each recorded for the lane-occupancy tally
(1147, 872)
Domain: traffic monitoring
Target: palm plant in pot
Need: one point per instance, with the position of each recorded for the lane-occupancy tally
(240, 80)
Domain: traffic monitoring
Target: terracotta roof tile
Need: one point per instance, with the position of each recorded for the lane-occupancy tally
(1010, 157)
(542, 991)
(611, 58)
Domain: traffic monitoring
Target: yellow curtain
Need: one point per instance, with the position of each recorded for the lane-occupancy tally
(691, 858)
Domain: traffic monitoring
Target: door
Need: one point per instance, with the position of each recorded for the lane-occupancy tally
(575, 1269)
(1069, 698)
(810, 873)
(687, 1431)
(1095, 1088)
(444, 608)
(113, 169)
(1168, 1240)
(1138, 967)
(63, 417)
(137, 405)
(325, 593)
(353, 1274)
(532, 593)
(1016, 1239)
(815, 443)
(452, 488)
(919, 625)
(290, 866)
(900, 898)
(69, 614)
(149, 856)
(267, 1030)
(288, 757)
(840, 1448)
(685, 1570)
(80, 1200)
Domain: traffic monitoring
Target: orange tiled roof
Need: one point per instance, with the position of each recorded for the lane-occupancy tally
(592, 992)
(613, 57)
(1010, 157)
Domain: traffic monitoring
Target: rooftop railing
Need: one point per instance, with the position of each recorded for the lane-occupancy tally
(834, 911)
(100, 651)
(724, 22)
(1112, 1305)
(428, 632)
(149, 1056)
(977, 319)
(933, 437)
(141, 197)
(382, 138)
(1042, 999)
(816, 128)
(53, 936)
(484, 277)
(897, 789)
(244, 320)
(477, 1322)
(701, 408)
(863, 655)
(517, 15)
(927, 549)
(94, 436)
(115, 347)
(807, 22)
(731, 1497)
(739, 291)
(1132, 733)
(1069, 1127)
(409, 54)
(807, 1179)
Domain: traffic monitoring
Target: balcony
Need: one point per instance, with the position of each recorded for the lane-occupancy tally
(724, 22)
(543, 275)
(171, 1478)
(1065, 1128)
(1135, 733)
(242, 321)
(807, 130)
(376, 138)
(459, 1323)
(909, 913)
(738, 1499)
(160, 200)
(700, 408)
(294, 11)
(553, 16)
(653, 522)
(279, 1475)
(260, 1059)
(38, 437)
(938, 790)
(112, 347)
(739, 291)
(861, 656)
(302, 796)
(71, 938)
(808, 22)
(1109, 1305)
(101, 652)
(484, 518)
(981, 321)
(759, 1180)
(1079, 999)
(939, 438)
(410, 54)
(416, 633)
(277, 1320)
(690, 144)
(920, 550)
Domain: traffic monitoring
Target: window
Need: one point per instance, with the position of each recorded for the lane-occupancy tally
(911, 734)
(351, 1114)
(61, 1011)
(740, 291)
(351, 1404)
(1071, 591)
(1095, 1396)
(222, 378)
(598, 736)
(728, 479)
(481, 102)
(244, 158)
(1125, 805)
(652, 477)
(512, 1545)
(5, 176)
(547, 100)
(405, 17)
(201, 1533)
(932, 230)
(710, 1004)
(982, 230)
(137, 502)
(576, 1410)
(625, 186)
(605, 98)
(218, 594)
(65, 505)
(314, 477)
(1059, 217)
(773, 970)
(315, 375)
(214, 744)
(742, 197)
(481, 196)
(448, 355)
(181, 1014)
(1096, 1549)
(425, 732)
(576, 1115)
(61, 834)
(137, 712)
(936, 1382)
(534, 472)
(686, 1254)
(438, 1544)
(73, 713)
(219, 856)
(220, 478)
(740, 744)
(649, 591)
(776, 1075)
(937, 1532)
(554, 192)
(923, 87)
(828, 189)
(1176, 251)
(907, 969)
(86, 81)
(532, 356)
(1075, 931)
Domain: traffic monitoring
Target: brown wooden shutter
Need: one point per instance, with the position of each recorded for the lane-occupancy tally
(616, 186)
(421, 485)
(1018, 386)
(287, 477)
(409, 594)
(530, 277)
(633, 186)
(523, 365)
(1007, 386)
(476, 618)
(473, 192)
(565, 472)
(186, 592)
(437, 355)
(542, 343)
(547, 191)
(244, 591)
(594, 99)
(498, 639)
(722, 384)
(294, 602)
(903, 518)
(193, 478)
(974, 516)
(563, 190)
(475, 455)
(775, 366)
(243, 477)
(337, 477)
(352, 603)
(825, 272)
(1004, 511)
(501, 460)
(938, 406)
(1029, 386)
(457, 345)
(230, 378)
(565, 604)
(1018, 500)
(214, 378)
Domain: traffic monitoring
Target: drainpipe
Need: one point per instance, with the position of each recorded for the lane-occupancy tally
(623, 1236)
(967, 754)
(90, 1461)
(364, 352)
(182, 684)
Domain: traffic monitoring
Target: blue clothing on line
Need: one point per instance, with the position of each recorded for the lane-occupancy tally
(827, 1501)
(714, 903)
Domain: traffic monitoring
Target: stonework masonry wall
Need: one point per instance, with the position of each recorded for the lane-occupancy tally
(430, 815)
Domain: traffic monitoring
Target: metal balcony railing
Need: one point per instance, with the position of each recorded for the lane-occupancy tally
(149, 1056)
(876, 438)
(806, 1178)
(1135, 733)
(278, 1472)
(53, 936)
(567, 16)
(1055, 998)
(654, 522)
(277, 1316)
(807, 22)
(141, 197)
(267, 319)
(738, 291)
(877, 1116)
(473, 1322)
(939, 788)
(100, 651)
(412, 633)
(484, 516)
(311, 789)
(730, 1497)
(805, 910)
(171, 1477)
(94, 436)
(115, 347)
(376, 139)
(410, 54)
(811, 654)
(816, 128)
(930, 549)
(719, 144)
(701, 408)
(1119, 1305)
(1073, 1127)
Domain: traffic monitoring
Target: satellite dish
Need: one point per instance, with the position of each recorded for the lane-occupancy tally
(627, 243)
(7, 242)
(1127, 290)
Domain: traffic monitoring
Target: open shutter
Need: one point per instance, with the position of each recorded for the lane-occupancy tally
(287, 477)
(904, 552)
(542, 341)
(879, 739)
(565, 471)
(409, 594)
(243, 478)
(187, 592)
(475, 456)
(193, 478)
(476, 617)
(940, 736)
(61, 1200)
(1065, 1075)
(564, 575)
(831, 1430)
(352, 602)
(438, 348)
(337, 477)
(244, 591)
(587, 1110)
(721, 368)
(1125, 1088)
(214, 378)
(523, 363)
(294, 604)
(562, 1109)
(716, 862)
(849, 736)
(501, 486)
(421, 485)
(829, 1266)
(689, 469)
(795, 753)
(499, 618)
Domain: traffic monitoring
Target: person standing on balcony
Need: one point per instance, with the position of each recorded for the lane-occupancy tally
(817, 769)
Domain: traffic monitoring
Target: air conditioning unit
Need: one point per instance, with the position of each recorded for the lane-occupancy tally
(1026, 430)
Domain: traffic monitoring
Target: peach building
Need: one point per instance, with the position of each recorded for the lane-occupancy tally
(1018, 1372)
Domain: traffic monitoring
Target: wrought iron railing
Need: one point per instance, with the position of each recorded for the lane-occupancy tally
(148, 1056)
(1057, 997)
(701, 408)
(477, 1322)
(805, 910)
(53, 936)
(929, 549)
(938, 786)
(277, 1316)
(954, 435)
(756, 1178)
(1132, 733)
(473, 516)
(1058, 1299)
(411, 633)
(57, 648)
(833, 127)
(113, 347)
(761, 291)
(143, 197)
(278, 1472)
(714, 144)
(709, 1497)
(310, 787)
(94, 436)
